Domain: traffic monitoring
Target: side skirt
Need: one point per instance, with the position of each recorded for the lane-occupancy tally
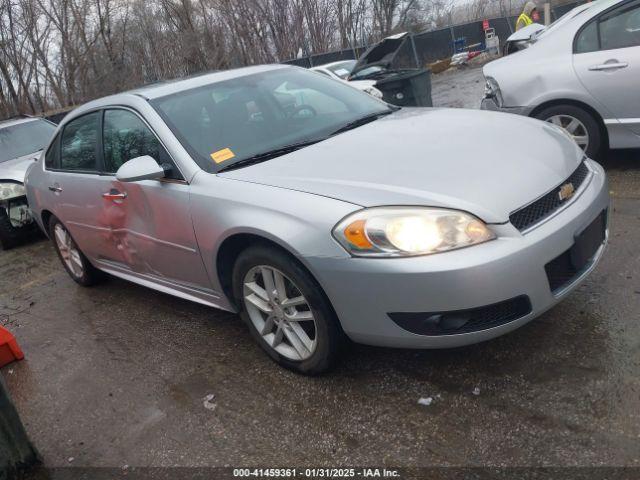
(193, 294)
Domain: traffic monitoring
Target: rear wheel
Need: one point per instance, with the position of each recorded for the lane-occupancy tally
(578, 123)
(286, 310)
(73, 260)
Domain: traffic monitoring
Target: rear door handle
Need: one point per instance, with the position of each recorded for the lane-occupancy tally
(608, 66)
(55, 189)
(114, 196)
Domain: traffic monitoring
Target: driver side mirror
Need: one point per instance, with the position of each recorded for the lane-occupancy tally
(140, 168)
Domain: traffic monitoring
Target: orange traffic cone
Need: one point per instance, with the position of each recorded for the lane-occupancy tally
(9, 349)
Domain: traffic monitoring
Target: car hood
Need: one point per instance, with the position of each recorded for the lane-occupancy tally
(486, 163)
(16, 169)
(362, 84)
(525, 33)
(382, 53)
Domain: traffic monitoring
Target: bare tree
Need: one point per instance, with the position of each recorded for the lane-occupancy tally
(59, 53)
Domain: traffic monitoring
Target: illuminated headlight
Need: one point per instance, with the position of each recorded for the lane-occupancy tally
(492, 90)
(404, 231)
(11, 190)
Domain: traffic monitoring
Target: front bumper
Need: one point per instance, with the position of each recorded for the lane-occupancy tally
(489, 103)
(18, 212)
(364, 291)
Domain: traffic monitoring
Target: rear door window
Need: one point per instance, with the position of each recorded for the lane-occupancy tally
(618, 28)
(621, 27)
(587, 40)
(79, 143)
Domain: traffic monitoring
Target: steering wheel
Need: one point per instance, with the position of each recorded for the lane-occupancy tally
(295, 113)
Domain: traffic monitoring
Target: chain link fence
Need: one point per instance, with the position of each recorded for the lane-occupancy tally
(436, 44)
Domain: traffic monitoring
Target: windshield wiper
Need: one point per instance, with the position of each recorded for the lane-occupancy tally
(361, 121)
(261, 157)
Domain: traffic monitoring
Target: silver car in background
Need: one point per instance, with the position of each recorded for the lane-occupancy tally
(582, 75)
(21, 140)
(318, 212)
(341, 70)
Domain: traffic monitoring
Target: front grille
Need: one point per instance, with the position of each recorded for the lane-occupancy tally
(463, 321)
(549, 203)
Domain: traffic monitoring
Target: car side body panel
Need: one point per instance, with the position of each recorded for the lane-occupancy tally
(606, 85)
(216, 205)
(296, 221)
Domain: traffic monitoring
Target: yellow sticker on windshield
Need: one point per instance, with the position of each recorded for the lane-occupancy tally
(222, 155)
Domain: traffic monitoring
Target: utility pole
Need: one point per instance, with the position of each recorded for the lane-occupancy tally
(547, 13)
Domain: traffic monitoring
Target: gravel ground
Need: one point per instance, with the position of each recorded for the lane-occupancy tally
(461, 87)
(119, 375)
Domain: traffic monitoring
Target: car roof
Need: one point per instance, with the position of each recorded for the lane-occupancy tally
(577, 17)
(164, 88)
(598, 6)
(16, 121)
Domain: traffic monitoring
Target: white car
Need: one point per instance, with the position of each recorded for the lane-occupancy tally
(582, 75)
(21, 140)
(341, 71)
(530, 34)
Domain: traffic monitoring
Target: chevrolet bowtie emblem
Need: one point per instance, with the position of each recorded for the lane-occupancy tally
(566, 191)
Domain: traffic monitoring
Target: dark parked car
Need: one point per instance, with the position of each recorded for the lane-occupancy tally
(392, 64)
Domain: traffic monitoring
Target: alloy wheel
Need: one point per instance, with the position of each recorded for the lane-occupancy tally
(68, 251)
(280, 313)
(573, 127)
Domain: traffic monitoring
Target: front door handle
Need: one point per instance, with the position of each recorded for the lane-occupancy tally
(55, 189)
(608, 66)
(114, 196)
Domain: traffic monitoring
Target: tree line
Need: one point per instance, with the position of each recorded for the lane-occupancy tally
(59, 53)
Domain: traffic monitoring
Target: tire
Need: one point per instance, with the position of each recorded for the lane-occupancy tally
(73, 260)
(328, 337)
(589, 124)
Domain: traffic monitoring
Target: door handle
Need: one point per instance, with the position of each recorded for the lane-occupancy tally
(114, 196)
(608, 66)
(55, 189)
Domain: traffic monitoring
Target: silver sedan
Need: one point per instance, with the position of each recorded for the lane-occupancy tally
(581, 73)
(319, 213)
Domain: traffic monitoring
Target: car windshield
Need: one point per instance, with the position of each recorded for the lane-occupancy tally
(342, 69)
(24, 138)
(229, 122)
(367, 72)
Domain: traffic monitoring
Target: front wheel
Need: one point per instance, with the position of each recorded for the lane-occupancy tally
(73, 260)
(286, 310)
(578, 123)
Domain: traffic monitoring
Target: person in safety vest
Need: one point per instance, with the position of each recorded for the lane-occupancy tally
(526, 17)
